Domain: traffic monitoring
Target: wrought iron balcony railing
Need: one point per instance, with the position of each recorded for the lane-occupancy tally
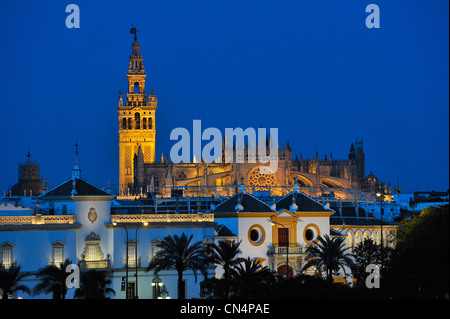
(282, 249)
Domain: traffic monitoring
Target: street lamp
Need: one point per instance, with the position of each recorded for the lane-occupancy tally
(157, 284)
(273, 223)
(126, 260)
(135, 257)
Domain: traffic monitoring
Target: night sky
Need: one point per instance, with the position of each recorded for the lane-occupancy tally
(312, 69)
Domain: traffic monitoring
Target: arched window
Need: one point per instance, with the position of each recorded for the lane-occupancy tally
(136, 87)
(124, 123)
(129, 123)
(144, 123)
(150, 123)
(137, 120)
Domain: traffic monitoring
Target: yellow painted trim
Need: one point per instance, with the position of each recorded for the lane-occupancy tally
(304, 233)
(263, 235)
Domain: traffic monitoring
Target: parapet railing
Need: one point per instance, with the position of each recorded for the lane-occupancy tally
(38, 220)
(162, 218)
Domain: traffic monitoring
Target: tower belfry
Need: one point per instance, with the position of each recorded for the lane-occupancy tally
(136, 119)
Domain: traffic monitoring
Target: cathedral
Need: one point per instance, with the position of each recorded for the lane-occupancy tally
(139, 171)
(275, 214)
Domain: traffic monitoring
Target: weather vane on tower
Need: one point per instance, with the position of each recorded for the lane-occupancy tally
(134, 31)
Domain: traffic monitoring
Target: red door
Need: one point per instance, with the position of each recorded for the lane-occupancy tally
(282, 271)
(283, 237)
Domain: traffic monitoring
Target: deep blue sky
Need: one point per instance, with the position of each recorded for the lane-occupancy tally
(310, 68)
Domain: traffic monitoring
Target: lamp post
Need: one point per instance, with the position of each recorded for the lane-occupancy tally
(126, 260)
(157, 284)
(273, 223)
(136, 259)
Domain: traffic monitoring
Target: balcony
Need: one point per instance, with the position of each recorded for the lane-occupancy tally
(277, 249)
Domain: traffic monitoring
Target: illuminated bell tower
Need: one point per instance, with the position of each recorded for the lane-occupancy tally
(136, 120)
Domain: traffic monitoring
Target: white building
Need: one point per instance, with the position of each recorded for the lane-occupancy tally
(74, 221)
(276, 234)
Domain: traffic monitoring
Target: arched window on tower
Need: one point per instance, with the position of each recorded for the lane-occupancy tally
(124, 123)
(136, 87)
(129, 123)
(137, 120)
(144, 123)
(150, 123)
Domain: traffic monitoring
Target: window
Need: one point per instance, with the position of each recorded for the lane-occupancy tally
(144, 123)
(256, 235)
(155, 247)
(57, 253)
(137, 121)
(132, 245)
(311, 233)
(124, 123)
(206, 246)
(92, 253)
(6, 251)
(150, 123)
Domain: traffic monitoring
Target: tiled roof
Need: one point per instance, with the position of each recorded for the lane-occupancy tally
(249, 203)
(223, 231)
(303, 202)
(82, 187)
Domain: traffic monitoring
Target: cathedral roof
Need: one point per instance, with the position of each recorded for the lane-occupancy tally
(247, 202)
(304, 203)
(82, 188)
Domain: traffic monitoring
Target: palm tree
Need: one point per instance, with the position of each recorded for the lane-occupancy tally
(328, 254)
(94, 285)
(225, 254)
(53, 280)
(10, 278)
(251, 279)
(178, 252)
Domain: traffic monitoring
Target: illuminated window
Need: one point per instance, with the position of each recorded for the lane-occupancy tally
(92, 251)
(57, 252)
(132, 245)
(262, 177)
(6, 251)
